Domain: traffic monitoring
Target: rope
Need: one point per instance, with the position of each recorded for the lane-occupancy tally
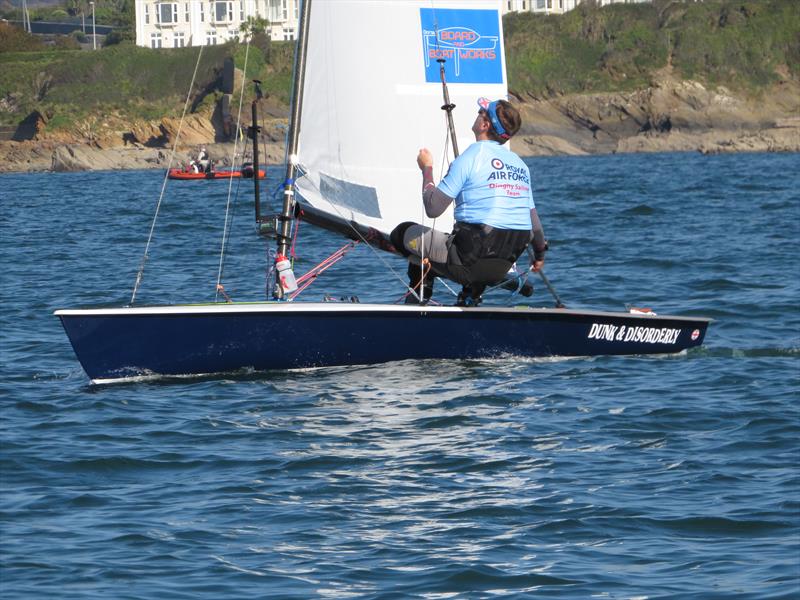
(221, 290)
(521, 279)
(229, 223)
(140, 273)
(418, 290)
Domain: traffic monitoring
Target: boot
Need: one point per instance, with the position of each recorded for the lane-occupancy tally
(470, 295)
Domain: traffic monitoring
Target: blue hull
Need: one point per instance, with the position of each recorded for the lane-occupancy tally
(120, 343)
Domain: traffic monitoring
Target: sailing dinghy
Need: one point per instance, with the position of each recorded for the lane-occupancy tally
(366, 97)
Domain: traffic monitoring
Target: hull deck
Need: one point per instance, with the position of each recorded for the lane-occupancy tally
(120, 343)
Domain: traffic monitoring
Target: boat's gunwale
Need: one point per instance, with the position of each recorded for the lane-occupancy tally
(355, 307)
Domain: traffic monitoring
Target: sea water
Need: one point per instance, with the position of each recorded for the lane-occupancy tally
(626, 477)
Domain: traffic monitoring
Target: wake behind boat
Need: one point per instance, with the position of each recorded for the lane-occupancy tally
(341, 175)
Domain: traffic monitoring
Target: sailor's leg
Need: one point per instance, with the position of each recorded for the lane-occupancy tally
(417, 242)
(424, 242)
(471, 294)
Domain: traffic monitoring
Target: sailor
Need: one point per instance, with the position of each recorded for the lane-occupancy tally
(494, 211)
(202, 160)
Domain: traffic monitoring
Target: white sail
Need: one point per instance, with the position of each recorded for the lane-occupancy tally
(373, 98)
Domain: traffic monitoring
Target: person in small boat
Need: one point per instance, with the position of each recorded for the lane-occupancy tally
(495, 215)
(203, 161)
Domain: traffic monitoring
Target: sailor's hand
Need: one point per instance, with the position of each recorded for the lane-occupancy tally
(537, 265)
(424, 159)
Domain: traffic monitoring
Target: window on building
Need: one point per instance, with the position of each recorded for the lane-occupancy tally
(166, 13)
(211, 38)
(202, 12)
(549, 3)
(186, 13)
(524, 5)
(223, 12)
(273, 9)
(296, 10)
(155, 40)
(179, 40)
(288, 34)
(284, 10)
(146, 14)
(241, 10)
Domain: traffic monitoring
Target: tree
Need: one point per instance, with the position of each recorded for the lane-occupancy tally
(255, 28)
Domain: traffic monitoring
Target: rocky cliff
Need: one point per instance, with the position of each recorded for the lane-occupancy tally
(109, 144)
(670, 115)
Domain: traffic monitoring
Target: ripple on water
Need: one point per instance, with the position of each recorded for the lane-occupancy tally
(624, 477)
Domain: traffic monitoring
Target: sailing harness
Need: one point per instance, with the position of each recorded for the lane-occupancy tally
(478, 254)
(486, 251)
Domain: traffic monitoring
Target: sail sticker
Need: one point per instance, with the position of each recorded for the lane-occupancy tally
(468, 40)
(695, 335)
(645, 335)
(359, 198)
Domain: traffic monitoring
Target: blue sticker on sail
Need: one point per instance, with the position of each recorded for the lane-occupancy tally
(468, 40)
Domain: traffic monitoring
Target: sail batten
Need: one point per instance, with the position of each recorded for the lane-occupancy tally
(373, 98)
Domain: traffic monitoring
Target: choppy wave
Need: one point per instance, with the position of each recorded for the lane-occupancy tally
(616, 477)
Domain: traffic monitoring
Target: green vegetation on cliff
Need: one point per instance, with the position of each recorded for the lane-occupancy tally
(743, 44)
(126, 81)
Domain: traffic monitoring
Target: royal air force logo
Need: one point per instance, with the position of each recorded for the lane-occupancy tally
(508, 180)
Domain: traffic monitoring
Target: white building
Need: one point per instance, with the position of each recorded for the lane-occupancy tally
(178, 23)
(553, 6)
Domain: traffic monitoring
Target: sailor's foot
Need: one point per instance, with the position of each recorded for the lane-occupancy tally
(412, 299)
(469, 296)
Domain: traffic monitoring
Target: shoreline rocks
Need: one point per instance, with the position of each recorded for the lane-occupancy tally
(669, 116)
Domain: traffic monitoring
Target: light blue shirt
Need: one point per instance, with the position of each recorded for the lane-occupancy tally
(491, 185)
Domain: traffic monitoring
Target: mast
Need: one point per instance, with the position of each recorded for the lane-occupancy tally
(254, 131)
(285, 219)
(448, 107)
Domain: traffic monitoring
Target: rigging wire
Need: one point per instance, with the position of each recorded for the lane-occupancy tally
(140, 273)
(229, 221)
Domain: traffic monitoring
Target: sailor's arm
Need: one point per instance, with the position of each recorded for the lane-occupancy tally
(434, 200)
(538, 242)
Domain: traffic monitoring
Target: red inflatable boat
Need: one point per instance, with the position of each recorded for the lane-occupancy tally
(226, 174)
